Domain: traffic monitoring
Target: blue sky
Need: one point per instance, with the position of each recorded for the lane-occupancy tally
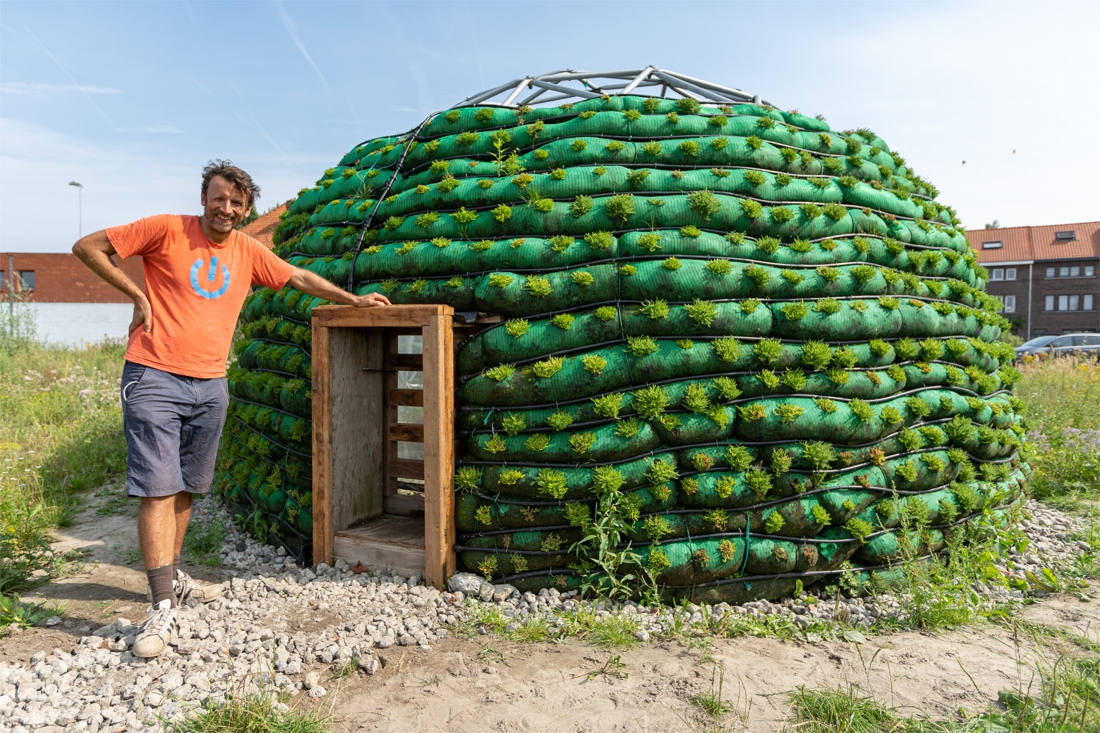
(132, 99)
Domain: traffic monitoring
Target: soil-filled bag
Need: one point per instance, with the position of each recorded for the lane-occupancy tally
(729, 341)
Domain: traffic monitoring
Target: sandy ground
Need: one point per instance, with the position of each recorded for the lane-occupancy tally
(488, 683)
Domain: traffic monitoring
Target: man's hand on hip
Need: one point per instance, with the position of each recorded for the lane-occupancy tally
(143, 316)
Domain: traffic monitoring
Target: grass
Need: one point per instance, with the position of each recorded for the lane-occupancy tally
(129, 555)
(1063, 408)
(14, 612)
(613, 667)
(60, 435)
(711, 702)
(1065, 699)
(845, 711)
(617, 631)
(203, 542)
(346, 669)
(611, 632)
(255, 713)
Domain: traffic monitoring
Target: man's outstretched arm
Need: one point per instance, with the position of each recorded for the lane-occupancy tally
(314, 284)
(95, 251)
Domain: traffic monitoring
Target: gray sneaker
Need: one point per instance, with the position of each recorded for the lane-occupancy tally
(157, 631)
(187, 587)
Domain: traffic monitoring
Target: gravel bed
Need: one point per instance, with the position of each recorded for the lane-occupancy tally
(280, 626)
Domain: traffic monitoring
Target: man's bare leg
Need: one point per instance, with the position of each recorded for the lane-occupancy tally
(157, 523)
(183, 516)
(157, 528)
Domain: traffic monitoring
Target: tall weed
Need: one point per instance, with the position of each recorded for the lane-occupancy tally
(1062, 399)
(60, 434)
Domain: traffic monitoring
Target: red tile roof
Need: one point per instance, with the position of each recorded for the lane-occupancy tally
(1032, 244)
(264, 227)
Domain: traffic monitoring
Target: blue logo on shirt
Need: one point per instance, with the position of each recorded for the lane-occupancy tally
(212, 273)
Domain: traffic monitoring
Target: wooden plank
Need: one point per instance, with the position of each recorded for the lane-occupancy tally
(439, 529)
(387, 543)
(389, 415)
(322, 459)
(403, 468)
(407, 397)
(405, 504)
(405, 362)
(402, 483)
(358, 445)
(394, 316)
(390, 529)
(401, 560)
(407, 432)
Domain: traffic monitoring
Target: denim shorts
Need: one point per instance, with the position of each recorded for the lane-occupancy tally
(173, 424)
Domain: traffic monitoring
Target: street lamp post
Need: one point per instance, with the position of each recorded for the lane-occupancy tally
(79, 206)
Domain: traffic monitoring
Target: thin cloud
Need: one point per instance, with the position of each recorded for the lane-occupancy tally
(256, 122)
(221, 103)
(46, 90)
(293, 31)
(66, 72)
(154, 130)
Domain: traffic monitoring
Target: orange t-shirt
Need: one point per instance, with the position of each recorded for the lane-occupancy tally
(196, 288)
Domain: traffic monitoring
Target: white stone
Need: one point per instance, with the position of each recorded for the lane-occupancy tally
(464, 583)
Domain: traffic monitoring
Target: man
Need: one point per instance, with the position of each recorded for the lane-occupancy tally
(198, 270)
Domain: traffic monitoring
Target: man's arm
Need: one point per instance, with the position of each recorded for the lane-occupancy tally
(95, 251)
(314, 284)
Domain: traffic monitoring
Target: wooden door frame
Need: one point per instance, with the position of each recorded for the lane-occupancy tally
(334, 438)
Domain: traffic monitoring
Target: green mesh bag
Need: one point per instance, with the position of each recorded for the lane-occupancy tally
(763, 338)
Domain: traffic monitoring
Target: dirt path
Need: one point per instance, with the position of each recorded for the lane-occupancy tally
(488, 683)
(548, 688)
(111, 584)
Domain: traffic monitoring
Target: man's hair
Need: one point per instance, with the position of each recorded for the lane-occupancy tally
(241, 180)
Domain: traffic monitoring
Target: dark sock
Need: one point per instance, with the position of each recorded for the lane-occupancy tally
(160, 583)
(175, 566)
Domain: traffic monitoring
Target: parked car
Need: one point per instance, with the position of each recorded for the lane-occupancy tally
(1080, 344)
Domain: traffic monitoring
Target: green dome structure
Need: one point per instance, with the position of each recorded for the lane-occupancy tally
(737, 350)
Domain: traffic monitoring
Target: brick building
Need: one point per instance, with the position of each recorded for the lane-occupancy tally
(49, 277)
(71, 305)
(1047, 276)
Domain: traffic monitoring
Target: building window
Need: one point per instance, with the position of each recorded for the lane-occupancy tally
(3, 281)
(1072, 271)
(26, 279)
(1070, 302)
(998, 274)
(1010, 304)
(1068, 236)
(992, 245)
(1010, 273)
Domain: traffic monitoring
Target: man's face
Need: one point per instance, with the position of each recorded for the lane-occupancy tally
(224, 205)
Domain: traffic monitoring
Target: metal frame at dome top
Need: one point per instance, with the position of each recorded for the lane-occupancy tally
(556, 87)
